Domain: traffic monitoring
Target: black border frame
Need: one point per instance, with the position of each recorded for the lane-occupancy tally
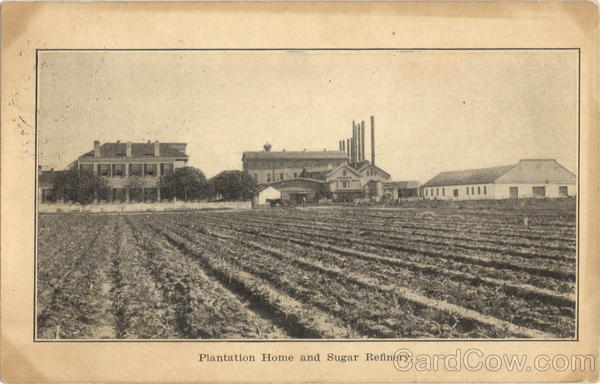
(371, 340)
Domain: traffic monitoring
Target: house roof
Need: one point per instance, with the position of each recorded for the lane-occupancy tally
(469, 176)
(139, 150)
(525, 171)
(293, 155)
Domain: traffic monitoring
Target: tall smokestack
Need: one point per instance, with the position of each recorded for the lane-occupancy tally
(373, 140)
(348, 147)
(358, 154)
(362, 140)
(354, 142)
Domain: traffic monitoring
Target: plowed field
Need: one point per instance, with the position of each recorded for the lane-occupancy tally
(308, 273)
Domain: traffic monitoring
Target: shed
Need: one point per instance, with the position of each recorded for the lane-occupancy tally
(266, 193)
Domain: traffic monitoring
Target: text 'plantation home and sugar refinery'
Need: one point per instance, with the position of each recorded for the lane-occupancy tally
(312, 176)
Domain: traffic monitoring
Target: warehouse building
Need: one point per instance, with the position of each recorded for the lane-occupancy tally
(537, 178)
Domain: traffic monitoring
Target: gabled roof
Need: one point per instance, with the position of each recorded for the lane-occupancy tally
(139, 150)
(369, 165)
(343, 165)
(293, 155)
(538, 171)
(469, 176)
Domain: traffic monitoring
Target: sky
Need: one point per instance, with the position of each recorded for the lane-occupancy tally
(434, 110)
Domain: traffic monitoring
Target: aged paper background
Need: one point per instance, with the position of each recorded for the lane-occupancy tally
(30, 26)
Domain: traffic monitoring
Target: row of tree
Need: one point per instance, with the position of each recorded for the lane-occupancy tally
(186, 184)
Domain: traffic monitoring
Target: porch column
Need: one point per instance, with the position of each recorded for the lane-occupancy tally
(158, 194)
(127, 195)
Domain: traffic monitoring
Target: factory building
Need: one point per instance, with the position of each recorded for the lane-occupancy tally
(536, 178)
(344, 175)
(270, 166)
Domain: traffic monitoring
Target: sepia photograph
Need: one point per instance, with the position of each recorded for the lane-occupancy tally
(352, 194)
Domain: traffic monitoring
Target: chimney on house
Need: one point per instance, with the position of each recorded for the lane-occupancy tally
(96, 148)
(156, 148)
(362, 140)
(128, 149)
(373, 140)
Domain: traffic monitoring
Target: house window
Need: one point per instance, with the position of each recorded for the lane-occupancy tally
(344, 184)
(563, 191)
(344, 172)
(135, 169)
(103, 170)
(295, 175)
(166, 168)
(281, 176)
(149, 169)
(478, 190)
(467, 191)
(443, 191)
(425, 192)
(118, 170)
(268, 177)
(455, 193)
(484, 190)
(437, 191)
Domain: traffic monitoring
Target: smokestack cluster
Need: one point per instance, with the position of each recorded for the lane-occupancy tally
(354, 147)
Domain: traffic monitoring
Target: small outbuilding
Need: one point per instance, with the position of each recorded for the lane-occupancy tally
(264, 194)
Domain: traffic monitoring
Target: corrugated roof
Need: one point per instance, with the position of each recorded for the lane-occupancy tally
(293, 155)
(469, 176)
(138, 150)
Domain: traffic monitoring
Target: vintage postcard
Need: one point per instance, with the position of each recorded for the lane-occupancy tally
(299, 192)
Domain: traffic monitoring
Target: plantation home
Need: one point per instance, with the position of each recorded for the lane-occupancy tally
(528, 178)
(132, 170)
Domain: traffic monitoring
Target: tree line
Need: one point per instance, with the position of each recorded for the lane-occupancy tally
(184, 184)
